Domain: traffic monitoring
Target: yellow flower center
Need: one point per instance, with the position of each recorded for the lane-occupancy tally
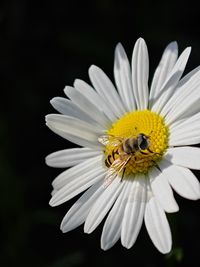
(141, 139)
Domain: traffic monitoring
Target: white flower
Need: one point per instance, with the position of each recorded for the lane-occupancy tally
(134, 146)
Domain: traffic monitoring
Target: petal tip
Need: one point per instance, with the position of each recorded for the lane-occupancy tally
(141, 43)
(173, 47)
(188, 50)
(174, 44)
(51, 203)
(92, 68)
(63, 227)
(118, 46)
(76, 81)
(172, 210)
(67, 89)
(105, 247)
(140, 39)
(125, 244)
(47, 159)
(87, 230)
(47, 117)
(165, 250)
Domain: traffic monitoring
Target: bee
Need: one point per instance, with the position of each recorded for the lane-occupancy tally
(124, 149)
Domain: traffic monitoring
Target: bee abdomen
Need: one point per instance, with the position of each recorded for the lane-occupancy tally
(108, 161)
(111, 158)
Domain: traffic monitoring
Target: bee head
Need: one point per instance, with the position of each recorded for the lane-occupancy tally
(143, 141)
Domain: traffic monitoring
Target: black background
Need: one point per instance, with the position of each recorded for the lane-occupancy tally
(45, 45)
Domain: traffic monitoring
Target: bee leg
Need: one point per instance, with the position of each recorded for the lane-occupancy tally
(138, 161)
(124, 169)
(152, 151)
(157, 167)
(123, 174)
(144, 153)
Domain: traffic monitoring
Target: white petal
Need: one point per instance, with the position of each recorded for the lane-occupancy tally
(187, 78)
(66, 126)
(182, 180)
(76, 140)
(165, 66)
(157, 226)
(81, 208)
(182, 87)
(78, 185)
(102, 205)
(184, 156)
(187, 139)
(71, 174)
(67, 107)
(96, 99)
(188, 96)
(70, 157)
(53, 192)
(122, 73)
(140, 73)
(171, 82)
(134, 212)
(87, 106)
(112, 227)
(105, 88)
(162, 191)
(187, 132)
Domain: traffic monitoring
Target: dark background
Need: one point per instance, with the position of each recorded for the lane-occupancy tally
(45, 45)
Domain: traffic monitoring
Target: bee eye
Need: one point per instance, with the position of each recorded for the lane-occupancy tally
(143, 142)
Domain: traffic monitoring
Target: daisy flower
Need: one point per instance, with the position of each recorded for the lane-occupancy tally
(133, 146)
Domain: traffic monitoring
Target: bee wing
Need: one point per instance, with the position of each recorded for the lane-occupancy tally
(110, 139)
(115, 169)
